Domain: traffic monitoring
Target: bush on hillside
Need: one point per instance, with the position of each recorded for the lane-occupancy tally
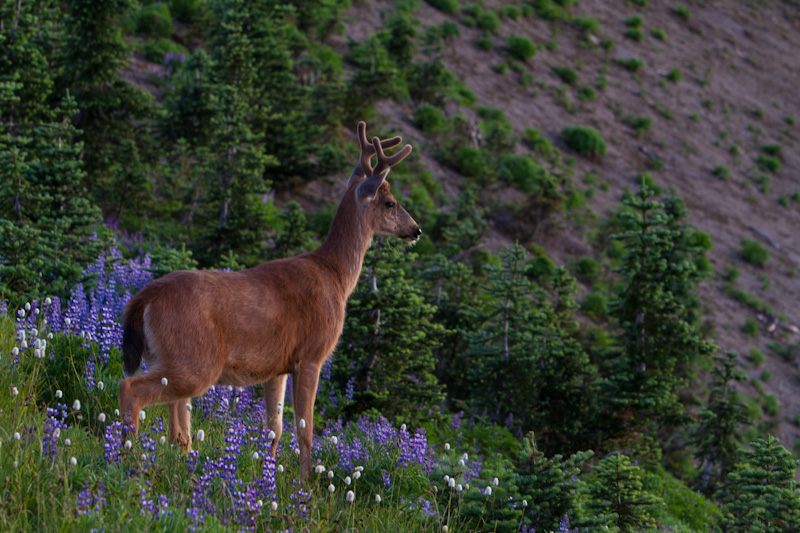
(447, 6)
(521, 47)
(585, 140)
(753, 253)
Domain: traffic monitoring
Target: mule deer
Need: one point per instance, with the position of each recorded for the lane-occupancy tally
(259, 325)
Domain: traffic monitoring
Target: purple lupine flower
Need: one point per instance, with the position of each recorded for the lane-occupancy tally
(456, 423)
(387, 481)
(112, 446)
(91, 499)
(3, 307)
(53, 428)
(563, 525)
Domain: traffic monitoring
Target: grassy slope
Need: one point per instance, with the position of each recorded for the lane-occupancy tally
(739, 79)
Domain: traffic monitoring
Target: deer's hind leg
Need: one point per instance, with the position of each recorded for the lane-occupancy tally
(180, 423)
(274, 392)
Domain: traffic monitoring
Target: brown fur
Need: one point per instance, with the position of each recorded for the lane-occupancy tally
(259, 325)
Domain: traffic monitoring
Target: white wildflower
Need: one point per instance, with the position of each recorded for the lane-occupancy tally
(331, 488)
(162, 440)
(459, 488)
(271, 436)
(73, 461)
(280, 408)
(68, 442)
(164, 381)
(347, 480)
(23, 345)
(101, 417)
(116, 413)
(48, 300)
(37, 353)
(67, 321)
(319, 469)
(142, 416)
(279, 468)
(451, 483)
(76, 405)
(488, 491)
(444, 528)
(351, 496)
(189, 407)
(302, 423)
(27, 306)
(59, 394)
(128, 444)
(36, 312)
(357, 474)
(466, 486)
(447, 446)
(17, 435)
(359, 469)
(201, 435)
(57, 433)
(330, 474)
(403, 428)
(297, 451)
(495, 482)
(255, 456)
(334, 440)
(14, 391)
(15, 351)
(377, 498)
(524, 503)
(101, 385)
(274, 506)
(461, 462)
(50, 336)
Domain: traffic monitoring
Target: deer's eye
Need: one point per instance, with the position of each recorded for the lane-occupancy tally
(390, 204)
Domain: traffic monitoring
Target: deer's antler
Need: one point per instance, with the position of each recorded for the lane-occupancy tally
(364, 166)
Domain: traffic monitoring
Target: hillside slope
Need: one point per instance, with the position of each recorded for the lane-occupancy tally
(739, 84)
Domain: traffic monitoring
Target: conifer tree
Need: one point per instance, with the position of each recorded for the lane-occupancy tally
(763, 494)
(388, 342)
(294, 237)
(659, 344)
(616, 495)
(549, 485)
(718, 435)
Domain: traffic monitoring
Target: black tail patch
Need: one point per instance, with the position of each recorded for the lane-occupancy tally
(132, 348)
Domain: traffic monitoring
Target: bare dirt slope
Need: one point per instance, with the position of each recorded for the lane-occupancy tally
(740, 69)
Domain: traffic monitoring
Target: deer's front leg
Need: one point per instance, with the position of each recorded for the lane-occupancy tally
(274, 392)
(304, 389)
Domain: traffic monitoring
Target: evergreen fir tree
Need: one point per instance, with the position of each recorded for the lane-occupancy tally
(294, 237)
(388, 342)
(763, 495)
(659, 344)
(616, 495)
(718, 435)
(550, 486)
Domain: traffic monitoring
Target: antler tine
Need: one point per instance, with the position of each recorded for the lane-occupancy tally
(368, 150)
(387, 162)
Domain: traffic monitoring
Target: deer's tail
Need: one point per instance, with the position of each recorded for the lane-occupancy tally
(133, 339)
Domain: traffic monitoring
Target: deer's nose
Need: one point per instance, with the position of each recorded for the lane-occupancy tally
(417, 232)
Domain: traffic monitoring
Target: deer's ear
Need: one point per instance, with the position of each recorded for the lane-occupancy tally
(366, 191)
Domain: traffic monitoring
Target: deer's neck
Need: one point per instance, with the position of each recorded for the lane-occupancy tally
(346, 244)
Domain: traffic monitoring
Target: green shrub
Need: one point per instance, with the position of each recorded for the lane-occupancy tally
(772, 149)
(550, 10)
(595, 304)
(588, 25)
(501, 68)
(587, 268)
(602, 83)
(645, 178)
(634, 21)
(540, 267)
(587, 94)
(659, 34)
(682, 12)
(430, 119)
(473, 10)
(585, 140)
(731, 273)
(750, 327)
(765, 376)
(488, 22)
(790, 121)
(635, 34)
(521, 47)
(784, 201)
(470, 161)
(757, 356)
(674, 75)
(753, 253)
(184, 10)
(771, 405)
(155, 20)
(447, 6)
(524, 174)
(511, 12)
(567, 75)
(641, 125)
(722, 172)
(154, 51)
(607, 45)
(631, 64)
(768, 162)
(484, 43)
(539, 143)
(656, 163)
(450, 29)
